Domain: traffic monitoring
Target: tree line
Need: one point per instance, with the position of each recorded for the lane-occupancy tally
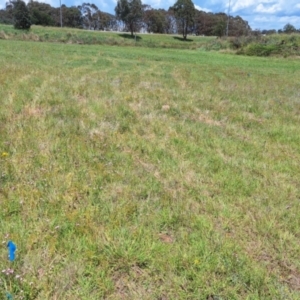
(130, 15)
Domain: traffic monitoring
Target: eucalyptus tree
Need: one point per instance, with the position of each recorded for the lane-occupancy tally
(131, 13)
(184, 11)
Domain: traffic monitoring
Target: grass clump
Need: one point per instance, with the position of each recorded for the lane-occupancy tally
(276, 45)
(128, 173)
(260, 50)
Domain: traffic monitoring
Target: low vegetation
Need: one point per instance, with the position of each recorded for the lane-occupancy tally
(134, 173)
(276, 44)
(87, 37)
(283, 45)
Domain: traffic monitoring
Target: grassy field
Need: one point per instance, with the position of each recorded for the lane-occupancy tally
(280, 45)
(139, 173)
(88, 37)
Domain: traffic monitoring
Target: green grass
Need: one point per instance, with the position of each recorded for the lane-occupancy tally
(278, 44)
(87, 37)
(139, 173)
(282, 45)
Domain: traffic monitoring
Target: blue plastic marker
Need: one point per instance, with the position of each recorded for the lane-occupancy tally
(11, 250)
(9, 296)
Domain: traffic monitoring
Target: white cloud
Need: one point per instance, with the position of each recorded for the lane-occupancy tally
(273, 22)
(264, 14)
(291, 19)
(101, 4)
(159, 3)
(239, 5)
(263, 6)
(203, 9)
(269, 10)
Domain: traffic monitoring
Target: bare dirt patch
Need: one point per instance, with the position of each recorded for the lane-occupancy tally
(35, 111)
(131, 285)
(166, 238)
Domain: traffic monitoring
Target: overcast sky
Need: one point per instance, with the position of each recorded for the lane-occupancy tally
(261, 14)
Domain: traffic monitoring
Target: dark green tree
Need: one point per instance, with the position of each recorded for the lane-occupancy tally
(72, 17)
(5, 18)
(6, 15)
(41, 13)
(21, 15)
(215, 24)
(184, 11)
(289, 28)
(130, 12)
(155, 20)
(107, 21)
(219, 29)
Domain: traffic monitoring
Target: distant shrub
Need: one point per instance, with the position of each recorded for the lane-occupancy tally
(284, 45)
(255, 49)
(235, 43)
(217, 45)
(242, 41)
(3, 35)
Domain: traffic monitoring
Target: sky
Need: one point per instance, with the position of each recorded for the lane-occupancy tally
(260, 14)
